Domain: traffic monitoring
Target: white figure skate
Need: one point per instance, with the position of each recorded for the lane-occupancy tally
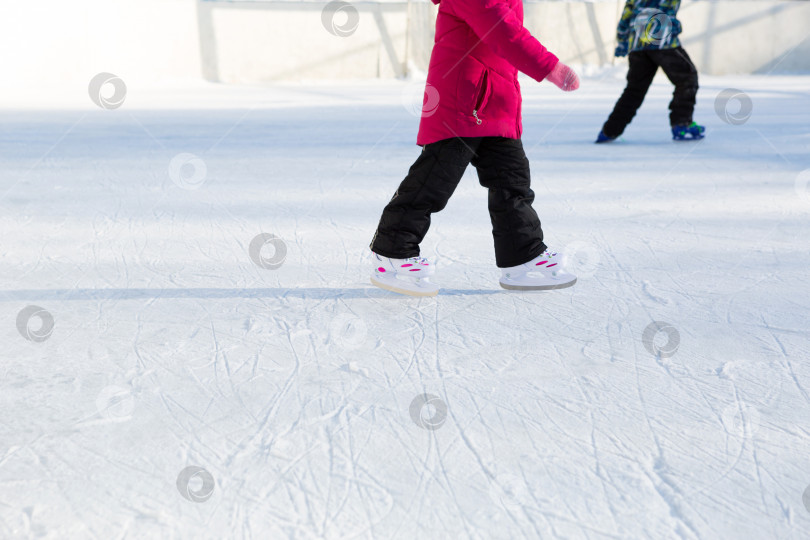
(404, 276)
(544, 272)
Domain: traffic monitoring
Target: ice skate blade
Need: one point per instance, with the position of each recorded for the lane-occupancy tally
(394, 287)
(548, 287)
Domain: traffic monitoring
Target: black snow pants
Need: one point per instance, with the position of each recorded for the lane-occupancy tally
(643, 64)
(503, 169)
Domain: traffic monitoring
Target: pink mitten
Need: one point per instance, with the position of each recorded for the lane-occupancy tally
(564, 77)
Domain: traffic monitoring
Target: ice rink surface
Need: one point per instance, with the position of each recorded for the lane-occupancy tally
(666, 395)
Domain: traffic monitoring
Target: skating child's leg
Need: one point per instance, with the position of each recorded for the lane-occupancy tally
(430, 182)
(639, 77)
(680, 70)
(503, 168)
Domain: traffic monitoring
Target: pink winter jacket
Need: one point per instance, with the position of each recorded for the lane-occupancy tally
(472, 88)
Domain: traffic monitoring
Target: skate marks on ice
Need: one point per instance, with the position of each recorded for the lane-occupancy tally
(728, 401)
(313, 412)
(294, 405)
(727, 428)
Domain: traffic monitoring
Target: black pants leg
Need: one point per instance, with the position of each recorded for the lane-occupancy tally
(503, 169)
(431, 181)
(680, 70)
(639, 77)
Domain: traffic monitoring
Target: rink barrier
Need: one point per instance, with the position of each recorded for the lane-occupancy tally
(394, 38)
(148, 41)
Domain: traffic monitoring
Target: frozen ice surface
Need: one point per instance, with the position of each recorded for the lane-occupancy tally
(298, 391)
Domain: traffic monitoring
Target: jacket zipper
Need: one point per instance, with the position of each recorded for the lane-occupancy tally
(519, 109)
(481, 94)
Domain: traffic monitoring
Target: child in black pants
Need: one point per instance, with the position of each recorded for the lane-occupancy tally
(479, 48)
(649, 30)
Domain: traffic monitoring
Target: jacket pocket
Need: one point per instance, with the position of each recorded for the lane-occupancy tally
(481, 94)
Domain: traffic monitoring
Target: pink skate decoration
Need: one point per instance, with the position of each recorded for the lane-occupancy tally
(394, 278)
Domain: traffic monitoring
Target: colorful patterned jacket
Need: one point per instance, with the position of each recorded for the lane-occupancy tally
(649, 24)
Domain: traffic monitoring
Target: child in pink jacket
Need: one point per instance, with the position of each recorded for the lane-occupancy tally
(479, 48)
